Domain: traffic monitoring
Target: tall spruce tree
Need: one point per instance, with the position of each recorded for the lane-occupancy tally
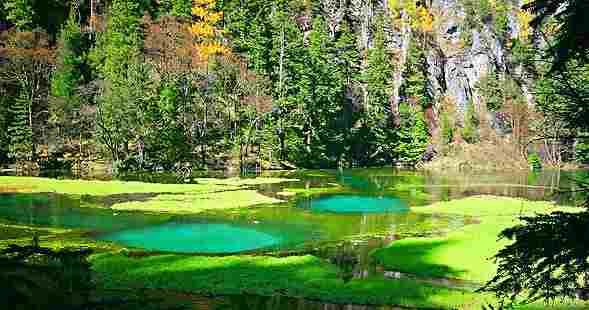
(374, 142)
(20, 128)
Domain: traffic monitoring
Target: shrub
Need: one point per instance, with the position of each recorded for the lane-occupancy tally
(535, 162)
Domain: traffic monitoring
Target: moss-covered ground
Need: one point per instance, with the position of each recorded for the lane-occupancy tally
(104, 188)
(463, 254)
(195, 203)
(297, 276)
(206, 195)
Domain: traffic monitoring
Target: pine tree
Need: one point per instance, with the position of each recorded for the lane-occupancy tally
(285, 69)
(20, 129)
(68, 74)
(319, 92)
(65, 104)
(379, 74)
(346, 54)
(414, 86)
(412, 135)
(327, 97)
(4, 123)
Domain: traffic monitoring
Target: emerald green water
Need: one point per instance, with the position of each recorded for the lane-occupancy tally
(54, 210)
(371, 207)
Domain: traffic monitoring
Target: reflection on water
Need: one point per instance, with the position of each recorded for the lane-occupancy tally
(248, 302)
(420, 188)
(345, 235)
(64, 211)
(270, 228)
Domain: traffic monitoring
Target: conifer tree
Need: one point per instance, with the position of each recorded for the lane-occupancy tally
(374, 141)
(20, 128)
(68, 74)
(379, 74)
(4, 123)
(65, 104)
(414, 85)
(412, 135)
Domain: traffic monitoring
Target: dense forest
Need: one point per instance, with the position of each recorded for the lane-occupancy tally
(162, 84)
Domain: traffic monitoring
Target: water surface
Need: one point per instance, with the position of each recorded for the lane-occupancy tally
(369, 203)
(355, 204)
(195, 238)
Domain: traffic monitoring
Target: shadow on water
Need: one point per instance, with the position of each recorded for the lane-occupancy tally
(63, 211)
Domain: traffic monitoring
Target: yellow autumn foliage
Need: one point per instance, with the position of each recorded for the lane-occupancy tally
(418, 16)
(213, 18)
(199, 11)
(524, 18)
(212, 48)
(205, 2)
(206, 35)
(202, 29)
(425, 19)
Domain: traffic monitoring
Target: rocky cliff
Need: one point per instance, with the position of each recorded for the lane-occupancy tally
(462, 41)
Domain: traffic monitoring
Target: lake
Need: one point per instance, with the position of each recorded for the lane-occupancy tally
(370, 207)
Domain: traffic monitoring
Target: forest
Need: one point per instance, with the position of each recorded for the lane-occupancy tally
(157, 85)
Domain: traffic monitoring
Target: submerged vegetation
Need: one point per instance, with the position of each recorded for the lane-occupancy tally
(460, 252)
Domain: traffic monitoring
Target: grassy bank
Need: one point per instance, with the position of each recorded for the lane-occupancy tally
(462, 254)
(208, 194)
(298, 276)
(195, 203)
(105, 188)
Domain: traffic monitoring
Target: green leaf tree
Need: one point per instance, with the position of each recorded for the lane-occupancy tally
(21, 13)
(470, 128)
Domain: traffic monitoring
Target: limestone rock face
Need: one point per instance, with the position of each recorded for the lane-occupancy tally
(457, 56)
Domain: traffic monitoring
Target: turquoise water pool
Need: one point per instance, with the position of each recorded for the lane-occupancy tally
(356, 204)
(195, 238)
